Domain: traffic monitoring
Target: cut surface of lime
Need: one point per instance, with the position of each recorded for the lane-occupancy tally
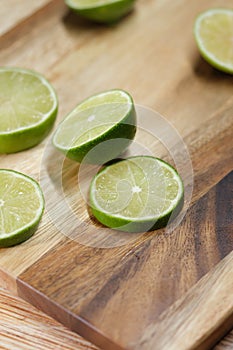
(21, 207)
(213, 32)
(98, 119)
(102, 11)
(28, 108)
(137, 194)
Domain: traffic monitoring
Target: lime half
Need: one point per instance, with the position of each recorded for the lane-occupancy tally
(21, 207)
(137, 194)
(28, 108)
(109, 115)
(214, 36)
(102, 11)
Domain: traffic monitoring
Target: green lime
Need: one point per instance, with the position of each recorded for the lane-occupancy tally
(137, 194)
(109, 115)
(21, 207)
(28, 108)
(102, 11)
(213, 32)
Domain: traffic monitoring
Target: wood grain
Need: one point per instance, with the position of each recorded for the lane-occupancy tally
(14, 12)
(226, 343)
(24, 327)
(188, 319)
(112, 295)
(141, 280)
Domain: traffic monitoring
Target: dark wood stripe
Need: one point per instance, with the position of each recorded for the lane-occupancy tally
(224, 215)
(70, 320)
(226, 343)
(125, 272)
(200, 214)
(187, 324)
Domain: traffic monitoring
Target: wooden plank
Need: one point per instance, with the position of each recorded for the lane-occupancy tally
(23, 327)
(12, 12)
(186, 325)
(140, 281)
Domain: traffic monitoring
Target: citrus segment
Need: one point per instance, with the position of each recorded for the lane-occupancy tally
(21, 207)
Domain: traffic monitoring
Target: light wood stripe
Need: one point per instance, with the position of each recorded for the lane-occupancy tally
(15, 12)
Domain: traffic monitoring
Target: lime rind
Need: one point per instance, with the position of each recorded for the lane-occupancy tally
(85, 4)
(24, 139)
(18, 237)
(24, 232)
(75, 119)
(138, 224)
(26, 136)
(108, 11)
(211, 58)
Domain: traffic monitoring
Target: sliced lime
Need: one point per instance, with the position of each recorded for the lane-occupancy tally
(103, 11)
(214, 36)
(21, 207)
(136, 194)
(106, 116)
(28, 108)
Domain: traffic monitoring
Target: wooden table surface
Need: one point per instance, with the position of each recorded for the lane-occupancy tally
(43, 35)
(23, 327)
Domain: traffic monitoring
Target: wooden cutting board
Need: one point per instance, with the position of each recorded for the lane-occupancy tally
(160, 291)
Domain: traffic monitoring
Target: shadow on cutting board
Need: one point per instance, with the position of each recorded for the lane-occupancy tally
(204, 70)
(74, 21)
